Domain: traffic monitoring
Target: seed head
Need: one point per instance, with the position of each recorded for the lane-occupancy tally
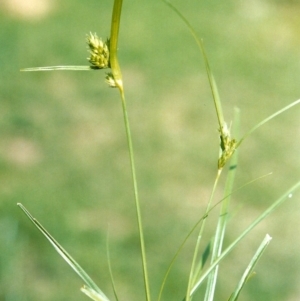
(99, 51)
(228, 146)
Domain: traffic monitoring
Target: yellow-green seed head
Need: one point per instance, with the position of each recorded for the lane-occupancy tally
(228, 146)
(99, 51)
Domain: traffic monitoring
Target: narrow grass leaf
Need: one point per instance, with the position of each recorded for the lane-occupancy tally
(232, 166)
(223, 216)
(66, 256)
(234, 296)
(93, 294)
(179, 251)
(203, 260)
(211, 79)
(217, 102)
(197, 246)
(110, 269)
(268, 119)
(269, 210)
(55, 68)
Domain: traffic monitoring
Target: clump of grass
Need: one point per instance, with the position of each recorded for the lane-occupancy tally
(103, 55)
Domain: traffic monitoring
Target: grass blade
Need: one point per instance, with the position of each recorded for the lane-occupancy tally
(222, 221)
(66, 68)
(234, 296)
(203, 260)
(197, 271)
(268, 119)
(269, 210)
(110, 270)
(66, 256)
(93, 294)
(197, 246)
(211, 79)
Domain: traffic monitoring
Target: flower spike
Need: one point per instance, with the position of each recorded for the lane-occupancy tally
(99, 51)
(227, 144)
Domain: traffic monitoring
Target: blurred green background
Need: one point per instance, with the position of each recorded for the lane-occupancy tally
(63, 150)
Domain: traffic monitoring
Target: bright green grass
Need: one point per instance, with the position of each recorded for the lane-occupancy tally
(63, 151)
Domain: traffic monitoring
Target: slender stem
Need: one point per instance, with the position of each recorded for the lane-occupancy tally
(137, 203)
(54, 68)
(287, 195)
(196, 251)
(211, 79)
(249, 270)
(223, 217)
(267, 119)
(116, 71)
(113, 44)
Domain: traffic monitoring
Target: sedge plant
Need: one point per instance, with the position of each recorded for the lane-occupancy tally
(104, 55)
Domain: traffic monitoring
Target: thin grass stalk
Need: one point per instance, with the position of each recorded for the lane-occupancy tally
(91, 293)
(110, 270)
(137, 202)
(113, 45)
(197, 246)
(267, 119)
(223, 217)
(91, 285)
(198, 270)
(211, 79)
(269, 210)
(116, 71)
(60, 68)
(204, 257)
(247, 274)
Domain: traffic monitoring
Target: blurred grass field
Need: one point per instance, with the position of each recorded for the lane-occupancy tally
(63, 152)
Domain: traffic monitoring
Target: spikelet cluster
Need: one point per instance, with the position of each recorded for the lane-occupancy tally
(228, 146)
(99, 51)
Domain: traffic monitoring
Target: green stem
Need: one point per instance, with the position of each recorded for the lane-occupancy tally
(211, 79)
(137, 203)
(268, 119)
(287, 195)
(113, 44)
(196, 251)
(223, 218)
(116, 71)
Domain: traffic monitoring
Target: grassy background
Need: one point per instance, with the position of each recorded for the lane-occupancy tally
(63, 150)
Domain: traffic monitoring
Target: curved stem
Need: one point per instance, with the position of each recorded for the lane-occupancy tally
(210, 76)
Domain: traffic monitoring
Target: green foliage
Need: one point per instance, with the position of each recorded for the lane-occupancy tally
(64, 155)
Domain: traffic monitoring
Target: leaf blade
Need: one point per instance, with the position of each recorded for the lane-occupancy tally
(65, 255)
